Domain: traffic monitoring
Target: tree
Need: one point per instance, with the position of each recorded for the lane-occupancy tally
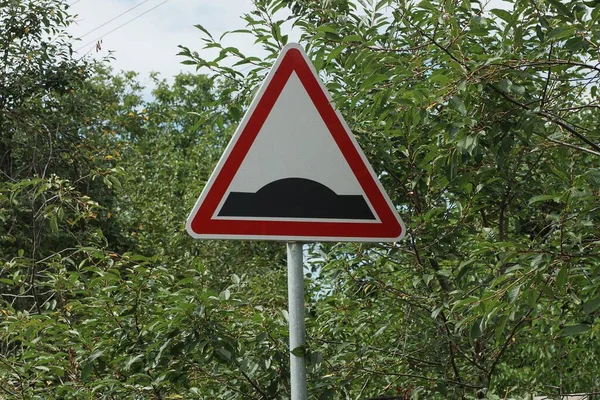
(48, 120)
(57, 165)
(102, 289)
(481, 125)
(205, 309)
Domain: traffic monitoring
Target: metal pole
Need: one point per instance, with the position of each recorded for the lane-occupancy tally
(296, 318)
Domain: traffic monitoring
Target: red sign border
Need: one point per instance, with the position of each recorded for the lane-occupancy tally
(201, 223)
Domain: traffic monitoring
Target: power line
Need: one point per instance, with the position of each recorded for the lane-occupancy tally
(89, 51)
(75, 2)
(111, 20)
(122, 25)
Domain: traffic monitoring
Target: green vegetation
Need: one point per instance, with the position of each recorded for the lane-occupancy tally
(482, 125)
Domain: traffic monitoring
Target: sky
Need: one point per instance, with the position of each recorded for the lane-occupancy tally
(149, 43)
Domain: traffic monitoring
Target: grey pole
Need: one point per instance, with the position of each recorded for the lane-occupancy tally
(296, 318)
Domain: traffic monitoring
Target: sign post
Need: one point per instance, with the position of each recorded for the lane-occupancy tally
(293, 172)
(296, 319)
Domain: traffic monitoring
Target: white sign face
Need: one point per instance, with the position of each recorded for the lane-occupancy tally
(295, 144)
(293, 170)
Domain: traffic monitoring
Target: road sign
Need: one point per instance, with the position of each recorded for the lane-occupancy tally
(293, 170)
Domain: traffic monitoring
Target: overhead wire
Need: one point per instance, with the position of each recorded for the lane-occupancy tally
(122, 25)
(89, 51)
(112, 19)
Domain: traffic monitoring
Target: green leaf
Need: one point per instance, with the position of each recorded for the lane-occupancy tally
(518, 89)
(161, 350)
(95, 355)
(380, 330)
(575, 44)
(114, 181)
(458, 105)
(335, 52)
(53, 222)
(539, 32)
(591, 306)
(132, 360)
(532, 297)
(499, 330)
(502, 14)
(561, 32)
(543, 197)
(327, 29)
(57, 370)
(475, 330)
(577, 329)
(225, 295)
(561, 278)
(373, 80)
(513, 294)
(442, 388)
(352, 38)
(439, 77)
(223, 354)
(299, 351)
(561, 8)
(86, 369)
(203, 29)
(505, 85)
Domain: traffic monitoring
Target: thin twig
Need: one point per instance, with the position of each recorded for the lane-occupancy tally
(569, 127)
(254, 385)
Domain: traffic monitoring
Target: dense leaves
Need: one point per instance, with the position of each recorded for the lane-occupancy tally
(481, 123)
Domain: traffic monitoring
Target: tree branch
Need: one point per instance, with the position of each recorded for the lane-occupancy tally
(574, 147)
(550, 62)
(549, 117)
(508, 340)
(254, 385)
(547, 83)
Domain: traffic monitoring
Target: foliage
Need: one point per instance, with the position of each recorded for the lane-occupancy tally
(103, 293)
(481, 125)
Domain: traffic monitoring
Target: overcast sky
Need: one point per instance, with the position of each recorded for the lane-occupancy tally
(150, 42)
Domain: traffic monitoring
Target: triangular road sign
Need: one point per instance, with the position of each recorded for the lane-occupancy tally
(293, 170)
